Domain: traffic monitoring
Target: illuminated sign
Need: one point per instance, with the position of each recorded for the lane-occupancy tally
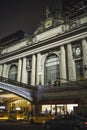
(2, 107)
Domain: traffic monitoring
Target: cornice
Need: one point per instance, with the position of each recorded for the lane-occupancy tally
(41, 47)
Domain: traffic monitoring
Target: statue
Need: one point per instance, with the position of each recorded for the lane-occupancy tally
(47, 13)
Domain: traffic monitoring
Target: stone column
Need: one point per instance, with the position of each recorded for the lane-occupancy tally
(4, 74)
(63, 65)
(24, 71)
(38, 68)
(71, 64)
(19, 70)
(84, 50)
(1, 70)
(33, 70)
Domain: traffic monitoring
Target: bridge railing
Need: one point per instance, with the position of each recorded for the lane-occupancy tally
(62, 86)
(49, 86)
(13, 82)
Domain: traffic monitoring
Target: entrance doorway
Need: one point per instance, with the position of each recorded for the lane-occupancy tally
(59, 108)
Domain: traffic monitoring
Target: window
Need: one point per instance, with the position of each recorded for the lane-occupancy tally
(52, 68)
(29, 69)
(13, 73)
(29, 77)
(79, 70)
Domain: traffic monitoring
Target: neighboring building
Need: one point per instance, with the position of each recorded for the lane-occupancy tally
(54, 60)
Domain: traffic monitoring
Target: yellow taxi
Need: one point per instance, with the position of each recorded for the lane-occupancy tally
(4, 116)
(39, 118)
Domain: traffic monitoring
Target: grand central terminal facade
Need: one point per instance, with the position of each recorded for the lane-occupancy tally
(52, 62)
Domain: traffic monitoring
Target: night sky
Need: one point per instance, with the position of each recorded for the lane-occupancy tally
(23, 15)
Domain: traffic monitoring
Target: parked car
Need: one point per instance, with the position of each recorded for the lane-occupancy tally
(66, 122)
(39, 118)
(3, 116)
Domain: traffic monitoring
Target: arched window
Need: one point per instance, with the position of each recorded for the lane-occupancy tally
(13, 73)
(52, 68)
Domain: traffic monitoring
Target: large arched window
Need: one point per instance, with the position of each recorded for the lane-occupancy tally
(52, 68)
(13, 73)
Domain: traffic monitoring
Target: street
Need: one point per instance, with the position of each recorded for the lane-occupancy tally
(19, 126)
(24, 127)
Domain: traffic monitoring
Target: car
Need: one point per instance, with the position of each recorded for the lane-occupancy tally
(66, 122)
(3, 116)
(40, 118)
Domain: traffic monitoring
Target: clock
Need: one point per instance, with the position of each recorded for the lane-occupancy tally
(48, 23)
(77, 51)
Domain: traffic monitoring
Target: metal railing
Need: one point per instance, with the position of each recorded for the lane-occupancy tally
(13, 82)
(18, 88)
(62, 86)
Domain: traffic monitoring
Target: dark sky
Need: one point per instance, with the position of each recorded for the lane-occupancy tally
(23, 15)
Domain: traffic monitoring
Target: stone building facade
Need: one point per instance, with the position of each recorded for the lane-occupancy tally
(53, 60)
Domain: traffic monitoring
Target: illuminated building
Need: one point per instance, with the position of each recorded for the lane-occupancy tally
(53, 60)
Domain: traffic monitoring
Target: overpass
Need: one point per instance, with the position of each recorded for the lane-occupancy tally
(17, 88)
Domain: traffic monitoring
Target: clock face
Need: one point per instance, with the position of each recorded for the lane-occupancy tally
(78, 51)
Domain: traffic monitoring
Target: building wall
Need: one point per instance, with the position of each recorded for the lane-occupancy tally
(67, 61)
(68, 41)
